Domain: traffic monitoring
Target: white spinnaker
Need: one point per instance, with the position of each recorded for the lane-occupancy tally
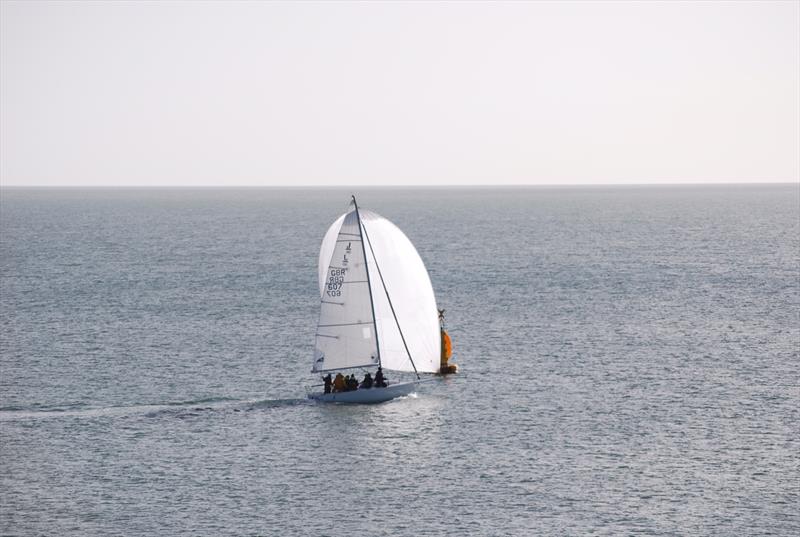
(411, 292)
(346, 329)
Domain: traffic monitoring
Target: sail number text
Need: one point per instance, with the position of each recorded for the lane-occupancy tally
(335, 281)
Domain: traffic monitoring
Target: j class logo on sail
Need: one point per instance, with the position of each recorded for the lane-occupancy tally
(335, 282)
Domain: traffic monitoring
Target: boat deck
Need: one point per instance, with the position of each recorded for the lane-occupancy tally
(369, 395)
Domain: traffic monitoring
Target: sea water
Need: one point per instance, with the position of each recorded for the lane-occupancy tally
(629, 365)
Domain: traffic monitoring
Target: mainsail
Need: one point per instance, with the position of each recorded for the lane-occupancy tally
(382, 312)
(346, 329)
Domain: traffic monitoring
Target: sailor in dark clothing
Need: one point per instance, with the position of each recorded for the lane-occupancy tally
(380, 382)
(328, 382)
(367, 382)
(352, 383)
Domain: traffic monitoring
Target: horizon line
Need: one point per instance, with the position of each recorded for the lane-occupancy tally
(397, 186)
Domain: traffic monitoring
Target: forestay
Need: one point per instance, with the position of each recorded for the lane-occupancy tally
(398, 279)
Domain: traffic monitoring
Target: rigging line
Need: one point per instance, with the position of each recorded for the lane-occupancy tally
(343, 324)
(369, 284)
(343, 368)
(402, 337)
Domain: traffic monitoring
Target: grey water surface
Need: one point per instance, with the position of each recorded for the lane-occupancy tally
(629, 362)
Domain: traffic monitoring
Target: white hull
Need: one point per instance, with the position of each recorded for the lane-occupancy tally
(371, 395)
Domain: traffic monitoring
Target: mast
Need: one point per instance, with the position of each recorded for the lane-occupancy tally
(402, 337)
(369, 284)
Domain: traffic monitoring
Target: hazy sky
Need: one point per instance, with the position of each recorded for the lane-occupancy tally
(272, 93)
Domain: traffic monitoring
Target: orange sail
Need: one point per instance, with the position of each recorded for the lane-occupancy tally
(445, 368)
(447, 346)
(447, 351)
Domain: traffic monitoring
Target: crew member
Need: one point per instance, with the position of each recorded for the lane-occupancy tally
(380, 382)
(367, 382)
(338, 383)
(327, 380)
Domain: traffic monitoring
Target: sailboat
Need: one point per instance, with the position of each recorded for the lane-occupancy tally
(377, 307)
